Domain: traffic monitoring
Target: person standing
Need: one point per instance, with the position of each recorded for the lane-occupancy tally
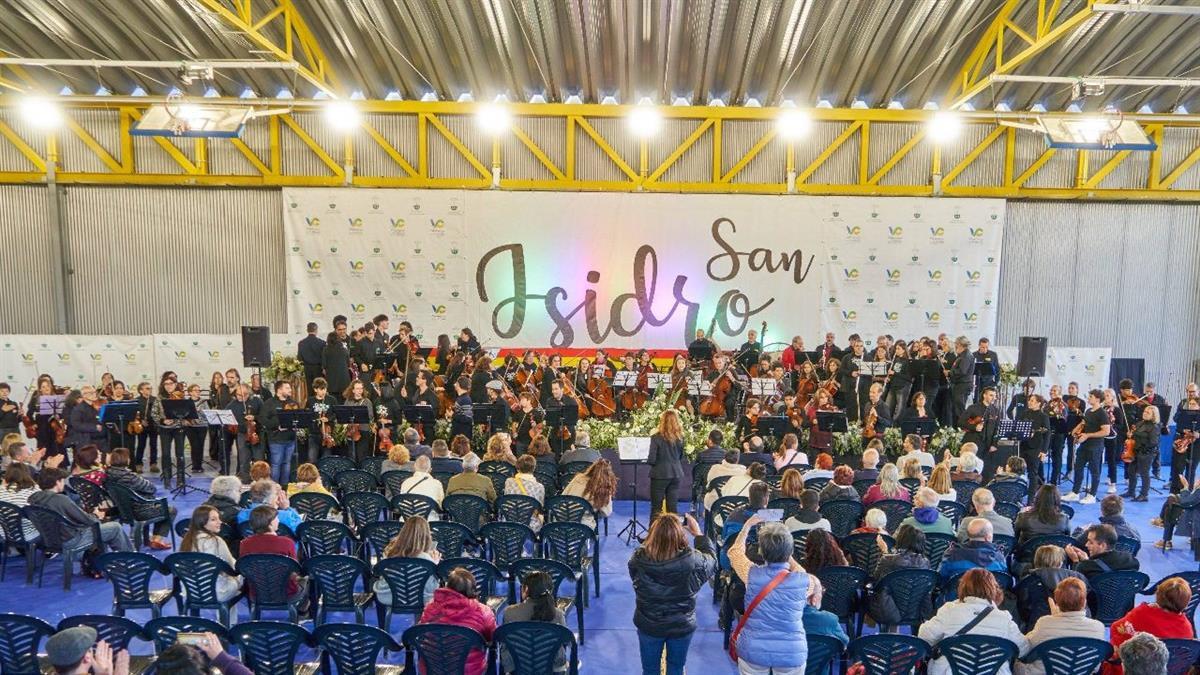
(281, 441)
(170, 432)
(667, 575)
(1089, 435)
(962, 377)
(335, 359)
(1145, 447)
(310, 351)
(1034, 448)
(770, 638)
(991, 367)
(666, 463)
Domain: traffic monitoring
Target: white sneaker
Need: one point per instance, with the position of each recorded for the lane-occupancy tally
(1070, 497)
(1087, 499)
(1112, 488)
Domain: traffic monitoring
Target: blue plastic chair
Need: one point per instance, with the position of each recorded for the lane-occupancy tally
(487, 577)
(409, 505)
(817, 483)
(469, 510)
(376, 536)
(267, 576)
(313, 505)
(1004, 543)
(373, 464)
(789, 505)
(451, 538)
(1115, 592)
(568, 509)
(363, 508)
(799, 541)
(164, 630)
(516, 508)
(1008, 510)
(117, 631)
(714, 520)
(844, 587)
(863, 551)
(843, 515)
(1183, 654)
(862, 485)
(20, 637)
(324, 537)
(269, 647)
(953, 511)
(334, 464)
(1032, 600)
(568, 543)
(441, 649)
(14, 537)
(353, 648)
(505, 543)
(1129, 545)
(1193, 581)
(498, 472)
(936, 545)
(393, 480)
(824, 653)
(130, 574)
(139, 512)
(91, 495)
(558, 572)
(355, 480)
(406, 578)
(1009, 491)
(896, 511)
(912, 592)
(334, 578)
(963, 491)
(1027, 548)
(534, 646)
(976, 654)
(568, 471)
(197, 574)
(888, 654)
(53, 535)
(1070, 656)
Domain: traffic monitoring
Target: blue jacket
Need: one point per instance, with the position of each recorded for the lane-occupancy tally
(288, 517)
(962, 558)
(819, 622)
(774, 634)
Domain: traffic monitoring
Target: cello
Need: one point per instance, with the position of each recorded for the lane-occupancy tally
(603, 404)
(714, 404)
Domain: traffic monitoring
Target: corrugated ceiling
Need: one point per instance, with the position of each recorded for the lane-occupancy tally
(771, 50)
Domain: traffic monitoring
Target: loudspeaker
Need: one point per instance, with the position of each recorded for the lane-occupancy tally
(1031, 357)
(256, 346)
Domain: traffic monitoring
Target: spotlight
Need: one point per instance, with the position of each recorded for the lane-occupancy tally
(189, 112)
(944, 127)
(493, 118)
(644, 119)
(342, 115)
(41, 113)
(793, 123)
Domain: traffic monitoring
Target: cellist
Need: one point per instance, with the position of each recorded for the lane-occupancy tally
(721, 402)
(679, 383)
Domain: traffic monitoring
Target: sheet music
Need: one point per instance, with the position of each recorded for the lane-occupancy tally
(633, 448)
(625, 378)
(656, 380)
(764, 386)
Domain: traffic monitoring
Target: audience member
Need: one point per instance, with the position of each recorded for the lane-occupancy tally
(1067, 618)
(739, 486)
(808, 517)
(1180, 511)
(874, 522)
(204, 536)
(1164, 618)
(470, 482)
(265, 492)
(75, 651)
(308, 479)
(526, 483)
(985, 507)
(441, 461)
(412, 441)
(1048, 567)
(1046, 516)
(791, 484)
(870, 460)
(224, 493)
(729, 467)
(1101, 554)
(264, 523)
(199, 659)
(87, 465)
(841, 487)
(909, 554)
(499, 449)
(821, 550)
(259, 470)
(939, 482)
(977, 551)
(667, 574)
(397, 460)
(977, 608)
(460, 446)
(914, 448)
(422, 481)
(926, 516)
(755, 450)
(598, 485)
(772, 637)
(822, 468)
(582, 450)
(788, 453)
(968, 466)
(17, 488)
(537, 604)
(540, 450)
(457, 604)
(414, 540)
(52, 483)
(1112, 512)
(1142, 654)
(1013, 471)
(818, 621)
(119, 474)
(888, 487)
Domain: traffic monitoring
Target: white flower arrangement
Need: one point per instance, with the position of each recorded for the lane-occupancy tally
(644, 422)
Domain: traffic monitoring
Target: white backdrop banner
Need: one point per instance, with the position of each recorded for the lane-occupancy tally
(641, 270)
(1085, 365)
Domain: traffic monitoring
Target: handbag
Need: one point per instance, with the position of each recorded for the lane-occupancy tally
(753, 603)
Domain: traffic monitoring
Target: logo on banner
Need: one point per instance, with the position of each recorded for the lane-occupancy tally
(455, 252)
(832, 301)
(356, 225)
(849, 315)
(437, 227)
(937, 234)
(27, 358)
(398, 268)
(180, 355)
(892, 276)
(418, 249)
(1061, 367)
(973, 277)
(398, 225)
(975, 234)
(439, 311)
(312, 224)
(991, 261)
(96, 358)
(130, 357)
(313, 267)
(214, 355)
(891, 319)
(400, 311)
(356, 268)
(870, 299)
(933, 319)
(914, 259)
(934, 277)
(916, 215)
(872, 257)
(358, 310)
(853, 232)
(438, 270)
(970, 320)
(376, 249)
(850, 273)
(316, 308)
(895, 233)
(456, 293)
(64, 358)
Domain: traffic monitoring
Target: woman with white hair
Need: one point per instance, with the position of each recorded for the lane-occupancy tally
(770, 637)
(422, 482)
(875, 522)
(968, 465)
(225, 493)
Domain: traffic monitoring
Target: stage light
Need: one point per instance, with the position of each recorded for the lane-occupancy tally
(342, 115)
(645, 120)
(793, 123)
(189, 112)
(1091, 128)
(944, 127)
(41, 113)
(493, 118)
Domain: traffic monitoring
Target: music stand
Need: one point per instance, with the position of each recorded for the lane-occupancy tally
(180, 410)
(488, 414)
(419, 416)
(985, 371)
(922, 370)
(350, 414)
(656, 381)
(764, 386)
(924, 426)
(700, 351)
(296, 420)
(625, 379)
(774, 426)
(832, 421)
(560, 417)
(1015, 430)
(219, 419)
(873, 369)
(51, 404)
(118, 414)
(632, 451)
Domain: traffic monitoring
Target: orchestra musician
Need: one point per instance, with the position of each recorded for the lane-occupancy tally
(549, 375)
(701, 342)
(979, 423)
(1150, 397)
(462, 417)
(219, 396)
(467, 342)
(991, 373)
(829, 352)
(309, 351)
(1185, 443)
(794, 355)
(116, 394)
(423, 394)
(528, 418)
(1075, 407)
(1145, 446)
(1033, 449)
(381, 337)
(806, 382)
(751, 350)
(962, 377)
(281, 440)
(196, 430)
(10, 412)
(819, 441)
(747, 424)
(363, 352)
(1020, 400)
(899, 380)
(679, 383)
(1116, 438)
(850, 379)
(320, 402)
(876, 415)
(170, 433)
(1089, 436)
(257, 388)
(494, 390)
(946, 354)
(1056, 412)
(50, 424)
(245, 408)
(83, 422)
(480, 376)
(149, 434)
(919, 410)
(561, 437)
(721, 378)
(356, 394)
(335, 359)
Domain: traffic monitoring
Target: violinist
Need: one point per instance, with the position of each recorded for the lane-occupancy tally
(1150, 397)
(1185, 445)
(149, 434)
(833, 383)
(626, 396)
(1033, 449)
(467, 341)
(1115, 439)
(529, 417)
(1075, 409)
(548, 375)
(850, 380)
(819, 441)
(480, 376)
(747, 425)
(1145, 447)
(603, 360)
(899, 380)
(679, 383)
(879, 354)
(257, 388)
(117, 394)
(1019, 401)
(246, 408)
(356, 394)
(806, 383)
(443, 353)
(877, 417)
(524, 378)
(563, 436)
(1089, 435)
(947, 354)
(751, 350)
(1056, 411)
(335, 359)
(10, 412)
(979, 423)
(104, 389)
(281, 440)
(382, 339)
(196, 430)
(582, 375)
(462, 415)
(83, 422)
(49, 426)
(364, 353)
(424, 394)
(320, 402)
(794, 355)
(783, 385)
(494, 390)
(219, 395)
(170, 433)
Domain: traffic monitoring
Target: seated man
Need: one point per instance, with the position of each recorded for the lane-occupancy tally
(870, 465)
(422, 482)
(264, 523)
(985, 507)
(1144, 654)
(470, 482)
(978, 551)
(756, 451)
(739, 486)
(582, 450)
(808, 517)
(1112, 512)
(441, 461)
(119, 474)
(52, 483)
(1101, 554)
(265, 493)
(926, 516)
(729, 467)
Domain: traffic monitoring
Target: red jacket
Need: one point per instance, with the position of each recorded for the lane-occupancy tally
(270, 543)
(450, 606)
(1146, 618)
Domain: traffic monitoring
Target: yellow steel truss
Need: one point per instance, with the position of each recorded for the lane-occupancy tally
(585, 128)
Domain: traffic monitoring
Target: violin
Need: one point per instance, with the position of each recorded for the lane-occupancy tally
(30, 426)
(973, 422)
(326, 433)
(569, 389)
(135, 426)
(1183, 441)
(59, 427)
(679, 382)
(252, 431)
(385, 438)
(1075, 405)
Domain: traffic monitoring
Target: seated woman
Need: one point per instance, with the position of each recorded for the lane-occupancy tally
(788, 453)
(1048, 568)
(1013, 471)
(456, 604)
(537, 604)
(841, 487)
(939, 482)
(968, 465)
(204, 536)
(87, 464)
(119, 474)
(525, 483)
(1067, 618)
(1180, 511)
(264, 522)
(821, 550)
(540, 450)
(499, 450)
(791, 484)
(909, 554)
(397, 460)
(979, 597)
(888, 487)
(910, 469)
(823, 468)
(308, 479)
(1164, 618)
(224, 493)
(17, 487)
(414, 540)
(1045, 517)
(597, 485)
(874, 522)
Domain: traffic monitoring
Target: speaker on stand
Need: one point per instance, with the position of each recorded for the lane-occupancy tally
(1031, 357)
(256, 346)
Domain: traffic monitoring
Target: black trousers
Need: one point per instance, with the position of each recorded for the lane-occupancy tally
(1183, 463)
(1055, 451)
(1140, 468)
(149, 437)
(1112, 457)
(172, 454)
(663, 491)
(958, 403)
(196, 437)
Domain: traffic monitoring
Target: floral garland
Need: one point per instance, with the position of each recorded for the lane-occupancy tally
(283, 368)
(643, 422)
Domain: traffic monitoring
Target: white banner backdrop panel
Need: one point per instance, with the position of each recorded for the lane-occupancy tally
(196, 357)
(74, 360)
(911, 267)
(1089, 366)
(573, 270)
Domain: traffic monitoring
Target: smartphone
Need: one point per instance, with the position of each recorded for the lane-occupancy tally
(193, 639)
(770, 515)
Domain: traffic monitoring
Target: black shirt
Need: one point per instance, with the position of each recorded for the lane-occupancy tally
(1093, 420)
(989, 374)
(9, 419)
(309, 350)
(1040, 439)
(525, 422)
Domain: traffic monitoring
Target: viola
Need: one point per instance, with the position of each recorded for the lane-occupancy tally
(869, 430)
(1183, 441)
(385, 439)
(679, 390)
(135, 426)
(30, 425)
(252, 432)
(59, 427)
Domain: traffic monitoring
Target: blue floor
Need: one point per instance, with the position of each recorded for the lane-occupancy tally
(611, 639)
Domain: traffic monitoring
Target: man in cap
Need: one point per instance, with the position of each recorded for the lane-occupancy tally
(74, 651)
